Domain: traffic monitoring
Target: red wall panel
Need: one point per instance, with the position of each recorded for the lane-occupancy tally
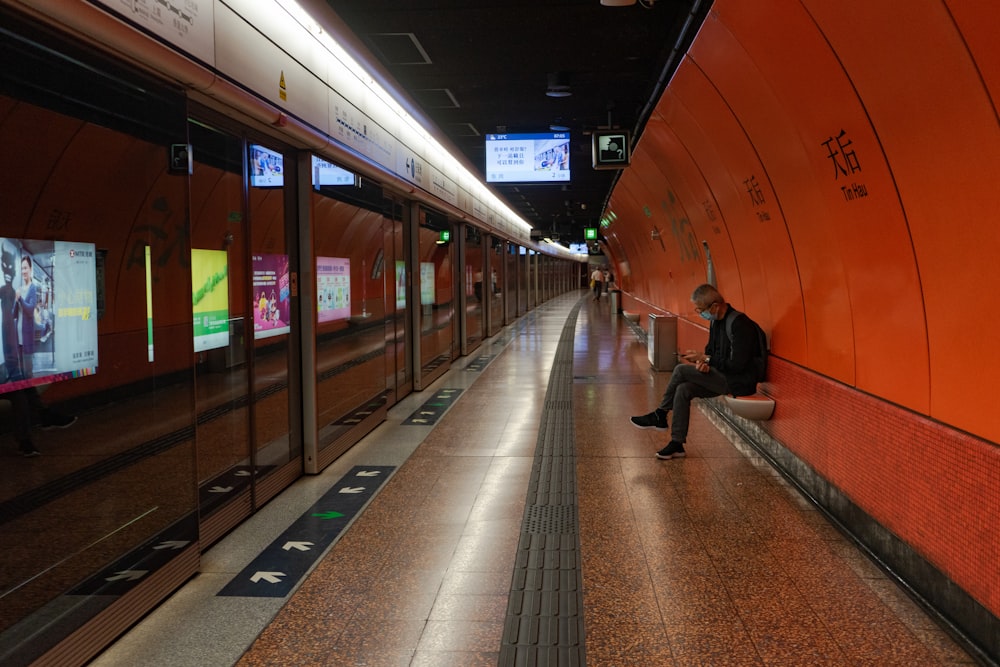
(938, 128)
(822, 154)
(850, 153)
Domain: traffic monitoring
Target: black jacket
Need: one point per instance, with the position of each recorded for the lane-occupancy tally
(733, 358)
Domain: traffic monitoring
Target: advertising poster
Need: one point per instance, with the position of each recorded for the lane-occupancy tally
(333, 288)
(48, 324)
(427, 290)
(210, 298)
(149, 306)
(270, 302)
(400, 284)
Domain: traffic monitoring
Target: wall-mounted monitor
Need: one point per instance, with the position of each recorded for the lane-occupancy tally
(610, 149)
(326, 173)
(541, 157)
(266, 167)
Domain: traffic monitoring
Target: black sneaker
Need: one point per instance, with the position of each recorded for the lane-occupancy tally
(675, 450)
(57, 420)
(28, 450)
(655, 419)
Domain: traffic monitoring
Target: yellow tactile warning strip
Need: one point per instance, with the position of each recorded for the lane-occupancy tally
(544, 624)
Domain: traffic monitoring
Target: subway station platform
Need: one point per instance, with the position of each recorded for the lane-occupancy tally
(511, 515)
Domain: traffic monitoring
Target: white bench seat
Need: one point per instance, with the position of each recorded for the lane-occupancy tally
(757, 407)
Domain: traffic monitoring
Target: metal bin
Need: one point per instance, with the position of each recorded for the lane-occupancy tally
(661, 341)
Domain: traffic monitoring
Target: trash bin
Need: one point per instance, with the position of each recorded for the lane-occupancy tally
(616, 302)
(661, 341)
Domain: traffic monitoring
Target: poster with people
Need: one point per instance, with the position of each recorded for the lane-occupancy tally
(48, 312)
(270, 305)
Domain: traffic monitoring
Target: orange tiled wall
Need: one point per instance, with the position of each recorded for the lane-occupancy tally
(934, 487)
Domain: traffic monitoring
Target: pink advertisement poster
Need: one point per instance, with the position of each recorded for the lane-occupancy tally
(333, 288)
(270, 295)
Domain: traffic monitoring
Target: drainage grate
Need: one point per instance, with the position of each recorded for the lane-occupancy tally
(544, 625)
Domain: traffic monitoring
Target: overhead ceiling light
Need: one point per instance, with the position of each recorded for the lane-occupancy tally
(558, 85)
(617, 3)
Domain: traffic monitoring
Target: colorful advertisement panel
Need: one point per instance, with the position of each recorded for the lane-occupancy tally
(149, 306)
(333, 288)
(427, 291)
(210, 298)
(400, 284)
(270, 296)
(48, 298)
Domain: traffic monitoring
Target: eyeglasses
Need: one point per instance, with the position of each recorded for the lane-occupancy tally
(699, 311)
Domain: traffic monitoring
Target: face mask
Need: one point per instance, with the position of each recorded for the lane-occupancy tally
(705, 315)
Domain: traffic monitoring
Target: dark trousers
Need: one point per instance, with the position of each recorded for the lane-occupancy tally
(25, 403)
(686, 384)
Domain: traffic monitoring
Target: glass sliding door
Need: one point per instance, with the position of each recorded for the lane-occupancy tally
(399, 379)
(475, 297)
(350, 230)
(220, 303)
(435, 271)
(94, 242)
(268, 318)
(494, 281)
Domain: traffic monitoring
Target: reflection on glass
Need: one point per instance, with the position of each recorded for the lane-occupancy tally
(267, 299)
(351, 365)
(436, 295)
(210, 298)
(120, 475)
(474, 295)
(271, 304)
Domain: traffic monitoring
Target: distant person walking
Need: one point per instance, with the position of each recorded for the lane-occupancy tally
(597, 282)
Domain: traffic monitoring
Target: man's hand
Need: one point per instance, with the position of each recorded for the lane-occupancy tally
(694, 357)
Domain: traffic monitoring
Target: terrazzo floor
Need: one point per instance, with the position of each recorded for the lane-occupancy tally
(708, 560)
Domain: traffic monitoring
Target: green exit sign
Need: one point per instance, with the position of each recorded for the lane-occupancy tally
(590, 233)
(444, 236)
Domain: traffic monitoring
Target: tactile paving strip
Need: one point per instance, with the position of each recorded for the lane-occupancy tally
(544, 625)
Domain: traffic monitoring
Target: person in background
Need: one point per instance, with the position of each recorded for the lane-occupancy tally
(597, 281)
(724, 367)
(27, 299)
(25, 402)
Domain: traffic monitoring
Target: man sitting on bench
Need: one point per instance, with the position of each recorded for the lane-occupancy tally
(727, 366)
